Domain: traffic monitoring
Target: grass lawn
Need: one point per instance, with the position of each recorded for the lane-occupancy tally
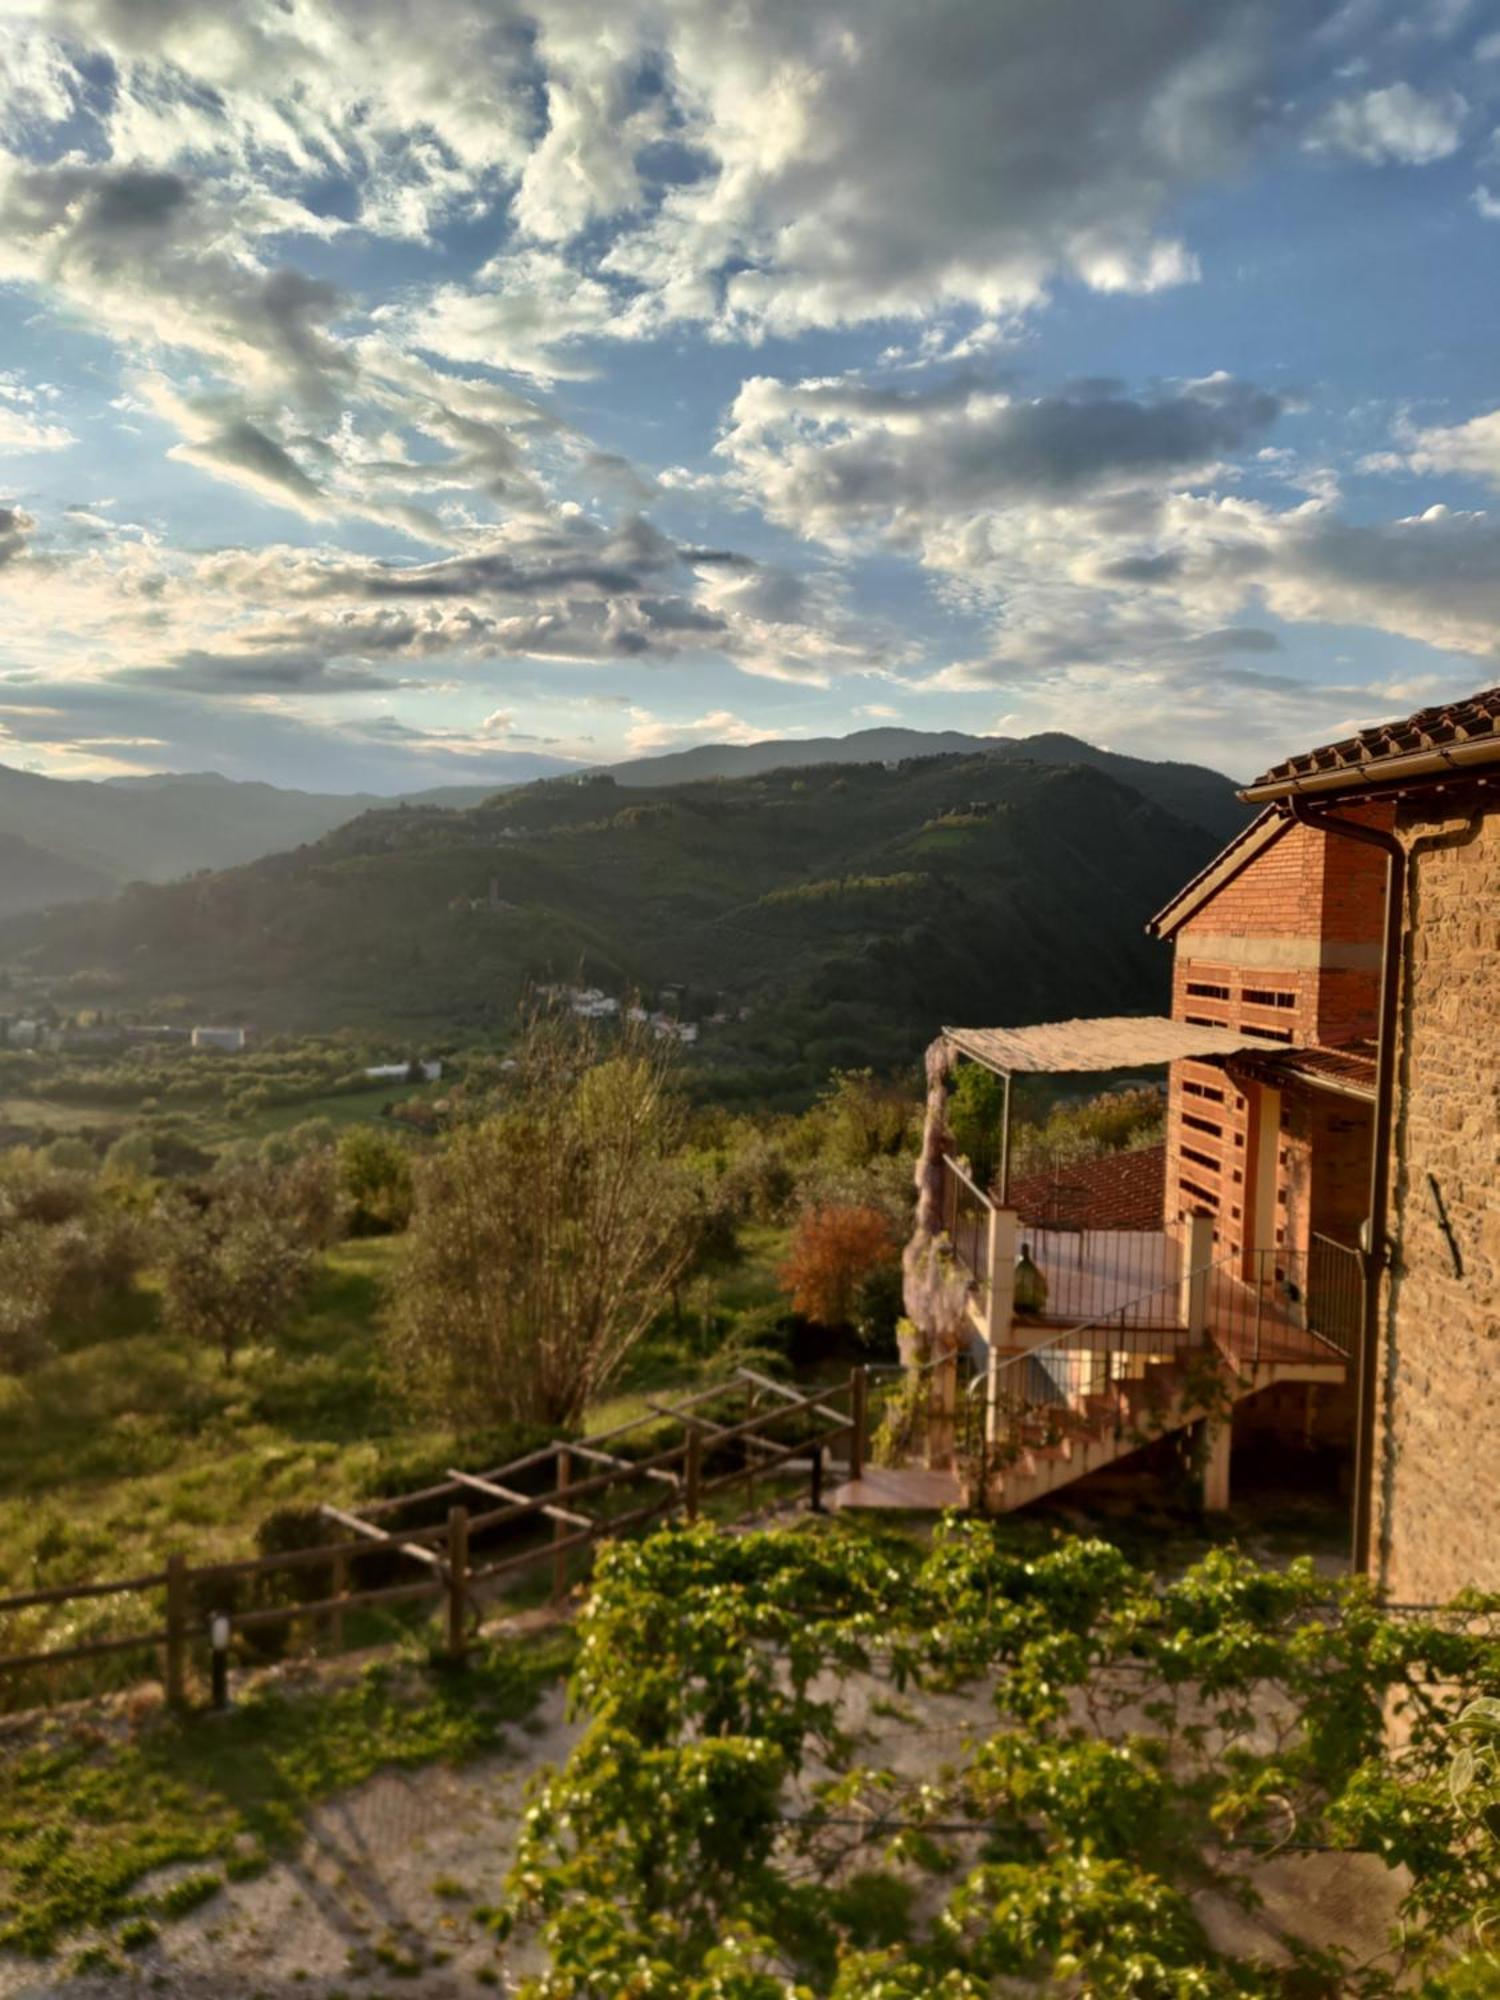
(131, 1443)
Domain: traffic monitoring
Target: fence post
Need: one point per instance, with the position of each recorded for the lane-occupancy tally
(561, 1529)
(458, 1577)
(692, 1474)
(859, 1420)
(340, 1589)
(815, 1480)
(177, 1630)
(749, 1448)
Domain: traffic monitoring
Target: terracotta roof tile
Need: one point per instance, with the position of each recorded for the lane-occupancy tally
(1115, 1191)
(1349, 1068)
(1476, 719)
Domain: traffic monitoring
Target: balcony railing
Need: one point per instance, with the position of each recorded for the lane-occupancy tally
(966, 1220)
(1263, 1318)
(1098, 1273)
(1335, 1293)
(1304, 1305)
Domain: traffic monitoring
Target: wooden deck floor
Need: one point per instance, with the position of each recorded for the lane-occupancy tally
(911, 1488)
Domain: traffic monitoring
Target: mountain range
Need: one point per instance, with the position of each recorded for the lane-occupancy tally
(836, 913)
(71, 840)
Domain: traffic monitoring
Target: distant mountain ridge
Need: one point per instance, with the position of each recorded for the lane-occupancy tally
(831, 914)
(83, 836)
(80, 837)
(1199, 793)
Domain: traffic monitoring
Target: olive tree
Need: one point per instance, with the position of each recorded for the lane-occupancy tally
(546, 1236)
(236, 1260)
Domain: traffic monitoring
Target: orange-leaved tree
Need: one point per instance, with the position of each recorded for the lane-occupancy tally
(834, 1249)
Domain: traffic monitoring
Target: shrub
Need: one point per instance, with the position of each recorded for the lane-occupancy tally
(375, 1175)
(834, 1250)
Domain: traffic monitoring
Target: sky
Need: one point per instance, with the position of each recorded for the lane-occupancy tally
(392, 394)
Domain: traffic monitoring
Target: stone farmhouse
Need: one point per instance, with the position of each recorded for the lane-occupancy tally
(1321, 1231)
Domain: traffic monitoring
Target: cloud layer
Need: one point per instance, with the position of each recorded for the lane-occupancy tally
(483, 361)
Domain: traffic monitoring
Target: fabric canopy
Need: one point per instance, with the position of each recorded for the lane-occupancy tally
(1121, 1041)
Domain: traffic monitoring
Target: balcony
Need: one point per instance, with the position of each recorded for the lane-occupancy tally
(1276, 1306)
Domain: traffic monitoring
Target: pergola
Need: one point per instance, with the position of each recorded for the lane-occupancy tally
(1116, 1041)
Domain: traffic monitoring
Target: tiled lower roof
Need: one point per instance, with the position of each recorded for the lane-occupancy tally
(1470, 727)
(1115, 1191)
(1350, 1068)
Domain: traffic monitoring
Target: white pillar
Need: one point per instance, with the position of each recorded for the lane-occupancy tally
(1214, 1447)
(1197, 1257)
(1004, 1239)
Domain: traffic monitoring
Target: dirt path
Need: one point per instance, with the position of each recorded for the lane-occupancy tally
(380, 1899)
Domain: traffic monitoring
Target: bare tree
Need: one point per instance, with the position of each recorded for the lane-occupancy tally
(546, 1237)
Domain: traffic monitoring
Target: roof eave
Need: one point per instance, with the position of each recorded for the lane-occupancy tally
(1369, 773)
(1251, 841)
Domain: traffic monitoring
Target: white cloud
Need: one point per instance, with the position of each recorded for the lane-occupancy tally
(517, 312)
(838, 459)
(23, 426)
(1472, 448)
(649, 733)
(1396, 125)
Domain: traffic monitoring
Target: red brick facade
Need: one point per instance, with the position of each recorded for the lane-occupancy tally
(1288, 947)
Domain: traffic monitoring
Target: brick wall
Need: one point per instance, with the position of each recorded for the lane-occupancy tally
(1438, 1466)
(1250, 958)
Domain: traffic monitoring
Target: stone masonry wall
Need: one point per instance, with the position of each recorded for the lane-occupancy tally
(1438, 1449)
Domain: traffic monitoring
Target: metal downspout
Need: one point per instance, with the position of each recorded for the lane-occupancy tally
(1374, 1254)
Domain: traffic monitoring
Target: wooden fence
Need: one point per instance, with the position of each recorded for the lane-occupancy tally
(578, 1474)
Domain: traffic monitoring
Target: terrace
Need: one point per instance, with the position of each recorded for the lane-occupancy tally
(1102, 1235)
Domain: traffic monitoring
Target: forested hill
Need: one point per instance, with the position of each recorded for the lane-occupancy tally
(1194, 791)
(850, 909)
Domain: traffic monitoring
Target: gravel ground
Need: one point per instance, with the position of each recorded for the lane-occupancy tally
(379, 1900)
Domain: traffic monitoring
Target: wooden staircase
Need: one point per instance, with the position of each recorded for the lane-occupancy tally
(1042, 1447)
(1084, 1400)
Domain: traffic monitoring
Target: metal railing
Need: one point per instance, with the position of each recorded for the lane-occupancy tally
(966, 1220)
(1335, 1293)
(1277, 1305)
(1100, 1273)
(1075, 1381)
(1284, 1305)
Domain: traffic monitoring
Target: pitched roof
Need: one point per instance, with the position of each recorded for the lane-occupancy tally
(1265, 828)
(1430, 744)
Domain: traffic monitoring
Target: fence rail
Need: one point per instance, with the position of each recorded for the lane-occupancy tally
(784, 1430)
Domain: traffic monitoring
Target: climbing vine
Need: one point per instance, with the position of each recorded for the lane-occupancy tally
(728, 1827)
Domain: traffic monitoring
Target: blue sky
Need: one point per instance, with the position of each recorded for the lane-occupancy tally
(390, 396)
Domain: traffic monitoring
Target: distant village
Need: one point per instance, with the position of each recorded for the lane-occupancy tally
(92, 1033)
(82, 1034)
(592, 1003)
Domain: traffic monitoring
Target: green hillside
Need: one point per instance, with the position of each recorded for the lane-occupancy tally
(849, 909)
(1193, 791)
(32, 877)
(83, 836)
